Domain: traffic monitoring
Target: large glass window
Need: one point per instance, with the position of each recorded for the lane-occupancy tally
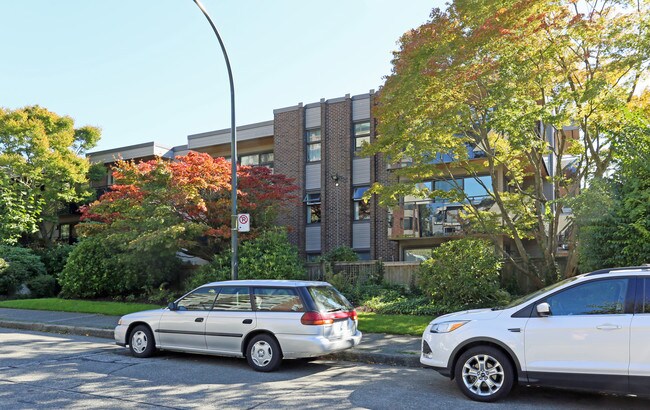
(313, 139)
(361, 207)
(200, 299)
(361, 135)
(263, 159)
(417, 255)
(602, 297)
(233, 298)
(476, 189)
(278, 300)
(312, 201)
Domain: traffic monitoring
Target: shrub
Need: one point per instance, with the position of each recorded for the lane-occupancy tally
(102, 266)
(268, 256)
(463, 274)
(55, 257)
(341, 254)
(21, 265)
(42, 286)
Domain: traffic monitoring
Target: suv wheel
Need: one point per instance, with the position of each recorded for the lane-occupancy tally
(263, 353)
(484, 373)
(142, 343)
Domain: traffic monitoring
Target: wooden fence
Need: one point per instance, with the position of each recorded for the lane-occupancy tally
(398, 273)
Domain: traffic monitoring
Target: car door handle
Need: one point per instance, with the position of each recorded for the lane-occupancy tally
(247, 321)
(608, 326)
(198, 319)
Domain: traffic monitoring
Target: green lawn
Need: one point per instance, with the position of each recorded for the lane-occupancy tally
(368, 322)
(393, 324)
(80, 306)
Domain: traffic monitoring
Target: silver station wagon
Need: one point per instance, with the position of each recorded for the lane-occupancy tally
(261, 320)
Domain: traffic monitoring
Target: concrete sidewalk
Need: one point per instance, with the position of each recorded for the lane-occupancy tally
(374, 347)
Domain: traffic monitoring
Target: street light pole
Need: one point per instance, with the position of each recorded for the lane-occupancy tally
(233, 149)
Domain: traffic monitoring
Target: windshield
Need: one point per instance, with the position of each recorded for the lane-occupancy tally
(328, 299)
(533, 295)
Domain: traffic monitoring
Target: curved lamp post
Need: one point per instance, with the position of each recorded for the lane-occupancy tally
(233, 148)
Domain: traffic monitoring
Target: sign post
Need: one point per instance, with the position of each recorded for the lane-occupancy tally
(244, 222)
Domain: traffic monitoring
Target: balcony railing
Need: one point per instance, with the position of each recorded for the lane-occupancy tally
(430, 218)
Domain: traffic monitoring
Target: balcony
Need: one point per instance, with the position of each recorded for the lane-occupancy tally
(431, 218)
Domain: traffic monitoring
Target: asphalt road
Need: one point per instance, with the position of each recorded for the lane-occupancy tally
(46, 371)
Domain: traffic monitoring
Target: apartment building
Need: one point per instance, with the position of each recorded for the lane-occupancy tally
(318, 145)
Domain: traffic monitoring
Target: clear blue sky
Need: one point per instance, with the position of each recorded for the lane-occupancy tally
(152, 70)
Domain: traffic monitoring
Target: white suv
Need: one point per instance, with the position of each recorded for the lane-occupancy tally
(587, 332)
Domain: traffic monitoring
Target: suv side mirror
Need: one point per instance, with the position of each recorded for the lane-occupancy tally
(172, 306)
(543, 309)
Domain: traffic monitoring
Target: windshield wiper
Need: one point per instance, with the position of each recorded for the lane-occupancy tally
(334, 310)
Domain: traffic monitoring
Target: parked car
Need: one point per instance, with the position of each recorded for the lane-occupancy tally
(261, 320)
(587, 332)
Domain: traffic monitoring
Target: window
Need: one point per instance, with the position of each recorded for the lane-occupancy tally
(110, 179)
(200, 299)
(64, 232)
(361, 207)
(263, 159)
(313, 144)
(602, 297)
(278, 300)
(417, 255)
(475, 189)
(233, 298)
(328, 299)
(313, 257)
(645, 294)
(313, 207)
(361, 135)
(363, 255)
(250, 160)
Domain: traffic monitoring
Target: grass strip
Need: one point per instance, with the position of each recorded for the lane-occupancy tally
(79, 306)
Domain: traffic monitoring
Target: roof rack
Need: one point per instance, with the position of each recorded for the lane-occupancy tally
(608, 270)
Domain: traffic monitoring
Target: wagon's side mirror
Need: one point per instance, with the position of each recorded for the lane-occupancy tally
(172, 306)
(543, 309)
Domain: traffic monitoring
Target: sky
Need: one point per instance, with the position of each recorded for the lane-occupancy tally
(152, 70)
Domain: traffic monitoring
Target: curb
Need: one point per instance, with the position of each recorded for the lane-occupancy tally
(376, 358)
(62, 329)
(346, 355)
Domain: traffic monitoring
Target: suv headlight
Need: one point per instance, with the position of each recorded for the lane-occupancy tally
(446, 327)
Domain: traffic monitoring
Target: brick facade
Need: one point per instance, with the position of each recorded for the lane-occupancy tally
(337, 161)
(289, 153)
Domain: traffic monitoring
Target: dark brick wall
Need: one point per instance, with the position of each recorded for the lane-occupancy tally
(381, 247)
(337, 160)
(336, 201)
(289, 159)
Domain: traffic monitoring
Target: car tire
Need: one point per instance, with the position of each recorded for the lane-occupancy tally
(263, 353)
(141, 342)
(484, 374)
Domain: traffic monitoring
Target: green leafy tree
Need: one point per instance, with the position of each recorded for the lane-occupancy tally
(41, 169)
(613, 214)
(493, 75)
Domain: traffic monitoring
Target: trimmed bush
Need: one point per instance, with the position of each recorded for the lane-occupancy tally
(55, 257)
(42, 286)
(101, 266)
(268, 256)
(463, 274)
(20, 265)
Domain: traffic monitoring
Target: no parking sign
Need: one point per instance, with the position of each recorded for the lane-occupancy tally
(243, 222)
